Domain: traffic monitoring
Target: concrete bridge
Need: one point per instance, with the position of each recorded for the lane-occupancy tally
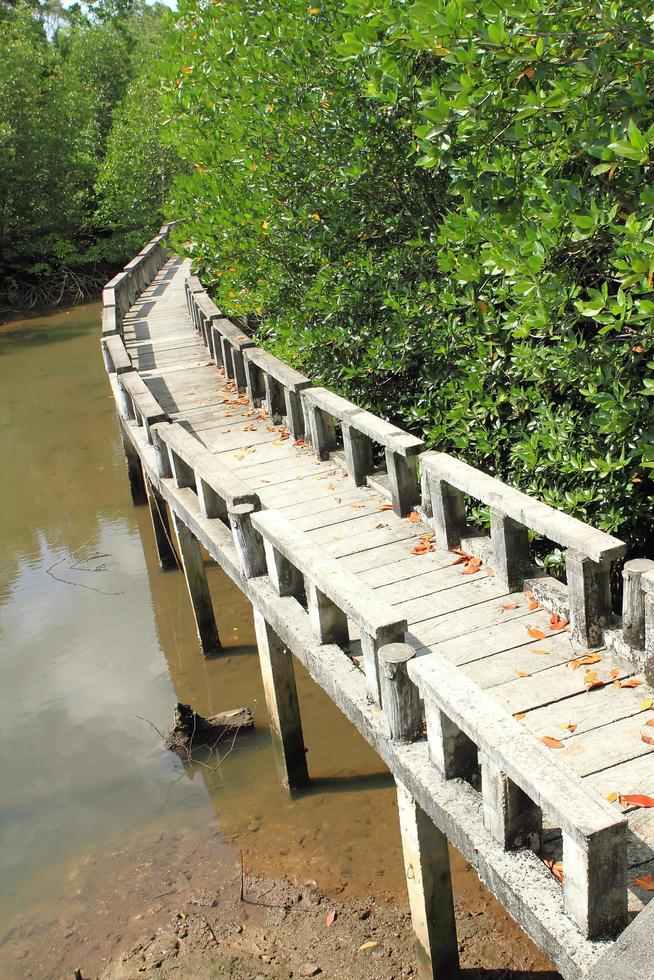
(513, 711)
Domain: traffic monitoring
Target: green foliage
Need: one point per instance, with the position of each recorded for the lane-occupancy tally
(444, 209)
(82, 170)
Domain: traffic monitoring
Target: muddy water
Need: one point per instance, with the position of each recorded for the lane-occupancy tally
(96, 645)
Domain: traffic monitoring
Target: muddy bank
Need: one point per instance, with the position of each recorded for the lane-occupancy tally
(179, 902)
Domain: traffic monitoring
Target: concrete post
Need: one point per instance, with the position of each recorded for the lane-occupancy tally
(450, 749)
(509, 815)
(633, 600)
(510, 542)
(370, 646)
(134, 470)
(284, 577)
(294, 414)
(589, 594)
(161, 527)
(248, 543)
(198, 587)
(282, 704)
(323, 434)
(448, 513)
(358, 454)
(399, 695)
(402, 481)
(328, 622)
(595, 884)
(429, 884)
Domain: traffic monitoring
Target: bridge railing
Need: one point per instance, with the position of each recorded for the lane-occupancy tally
(224, 339)
(445, 483)
(220, 493)
(125, 287)
(333, 595)
(465, 727)
(271, 380)
(361, 432)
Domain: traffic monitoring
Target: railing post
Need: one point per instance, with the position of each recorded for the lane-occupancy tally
(448, 513)
(453, 753)
(282, 703)
(323, 434)
(510, 817)
(429, 885)
(358, 453)
(183, 474)
(328, 622)
(402, 481)
(635, 584)
(510, 541)
(370, 646)
(253, 383)
(399, 695)
(589, 594)
(238, 367)
(294, 414)
(228, 364)
(247, 540)
(161, 456)
(595, 884)
(284, 576)
(212, 505)
(274, 399)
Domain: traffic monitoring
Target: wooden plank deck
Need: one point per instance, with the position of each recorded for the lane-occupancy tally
(472, 619)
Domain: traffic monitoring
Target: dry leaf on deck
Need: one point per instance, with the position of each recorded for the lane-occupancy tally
(646, 882)
(551, 743)
(633, 682)
(509, 605)
(636, 799)
(535, 633)
(414, 517)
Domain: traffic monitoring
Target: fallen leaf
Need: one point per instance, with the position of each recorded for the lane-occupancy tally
(299, 442)
(519, 716)
(422, 548)
(538, 650)
(529, 593)
(636, 799)
(329, 921)
(591, 658)
(613, 797)
(277, 442)
(646, 705)
(594, 685)
(414, 517)
(369, 945)
(386, 507)
(650, 723)
(533, 605)
(354, 506)
(558, 624)
(535, 633)
(551, 743)
(523, 673)
(646, 882)
(567, 727)
(647, 739)
(509, 605)
(633, 682)
(615, 672)
(556, 868)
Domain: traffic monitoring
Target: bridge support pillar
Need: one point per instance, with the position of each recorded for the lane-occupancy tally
(282, 704)
(429, 883)
(161, 527)
(134, 470)
(198, 587)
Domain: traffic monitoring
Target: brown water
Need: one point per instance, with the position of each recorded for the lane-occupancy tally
(96, 646)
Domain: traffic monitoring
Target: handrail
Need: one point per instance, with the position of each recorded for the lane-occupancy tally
(446, 479)
(462, 719)
(297, 565)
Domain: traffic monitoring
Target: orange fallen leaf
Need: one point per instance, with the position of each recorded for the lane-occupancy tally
(422, 549)
(356, 506)
(386, 507)
(299, 442)
(594, 685)
(551, 743)
(633, 682)
(591, 658)
(646, 882)
(650, 723)
(567, 727)
(519, 715)
(647, 739)
(509, 605)
(529, 593)
(613, 797)
(523, 673)
(533, 605)
(556, 868)
(414, 517)
(636, 799)
(557, 624)
(535, 633)
(614, 673)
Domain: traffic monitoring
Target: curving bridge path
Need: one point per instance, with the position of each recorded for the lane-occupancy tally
(511, 709)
